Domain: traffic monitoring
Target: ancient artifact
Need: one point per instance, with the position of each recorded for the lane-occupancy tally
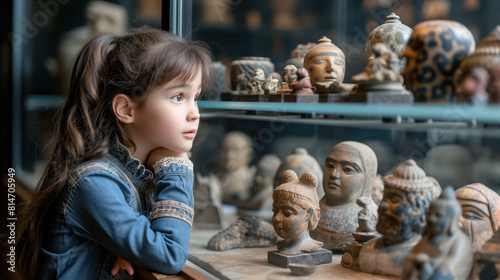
(243, 68)
(245, 232)
(487, 260)
(300, 161)
(270, 84)
(236, 174)
(486, 55)
(303, 83)
(433, 54)
(383, 66)
(402, 216)
(260, 201)
(473, 87)
(254, 85)
(393, 33)
(444, 251)
(207, 202)
(291, 74)
(326, 66)
(297, 55)
(480, 213)
(350, 172)
(301, 269)
(367, 219)
(295, 214)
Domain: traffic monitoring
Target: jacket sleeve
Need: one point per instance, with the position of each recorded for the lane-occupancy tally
(97, 210)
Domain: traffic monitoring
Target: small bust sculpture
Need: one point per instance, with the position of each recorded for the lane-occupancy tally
(473, 88)
(326, 66)
(480, 213)
(296, 212)
(236, 175)
(255, 83)
(291, 74)
(270, 84)
(434, 52)
(303, 83)
(350, 171)
(402, 216)
(444, 251)
(382, 67)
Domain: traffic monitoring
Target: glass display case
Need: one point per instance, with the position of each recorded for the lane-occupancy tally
(236, 28)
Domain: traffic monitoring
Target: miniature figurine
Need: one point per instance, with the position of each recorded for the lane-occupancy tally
(270, 84)
(255, 83)
(236, 175)
(245, 232)
(435, 50)
(207, 202)
(326, 66)
(480, 213)
(303, 83)
(260, 201)
(402, 216)
(367, 219)
(296, 213)
(291, 75)
(473, 88)
(350, 172)
(392, 33)
(382, 67)
(444, 251)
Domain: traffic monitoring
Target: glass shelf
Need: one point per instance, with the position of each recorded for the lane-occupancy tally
(447, 113)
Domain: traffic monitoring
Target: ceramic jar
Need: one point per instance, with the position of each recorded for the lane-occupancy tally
(242, 70)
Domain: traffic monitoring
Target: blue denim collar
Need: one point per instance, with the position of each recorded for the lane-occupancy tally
(137, 171)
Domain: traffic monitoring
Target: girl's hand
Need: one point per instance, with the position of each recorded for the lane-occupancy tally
(160, 153)
(122, 264)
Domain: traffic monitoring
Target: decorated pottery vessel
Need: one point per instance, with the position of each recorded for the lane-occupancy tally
(242, 70)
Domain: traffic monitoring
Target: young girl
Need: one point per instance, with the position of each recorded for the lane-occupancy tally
(119, 182)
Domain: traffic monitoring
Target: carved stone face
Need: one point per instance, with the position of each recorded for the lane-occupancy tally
(325, 62)
(433, 54)
(236, 152)
(438, 220)
(343, 176)
(289, 219)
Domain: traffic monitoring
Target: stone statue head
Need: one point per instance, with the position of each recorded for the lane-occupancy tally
(402, 213)
(350, 171)
(480, 212)
(433, 54)
(295, 208)
(444, 215)
(325, 62)
(236, 151)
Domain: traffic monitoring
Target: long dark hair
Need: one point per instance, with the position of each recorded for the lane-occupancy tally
(133, 64)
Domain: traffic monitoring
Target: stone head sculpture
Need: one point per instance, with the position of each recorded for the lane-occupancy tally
(326, 65)
(444, 251)
(480, 213)
(402, 213)
(350, 171)
(296, 212)
(433, 54)
(236, 151)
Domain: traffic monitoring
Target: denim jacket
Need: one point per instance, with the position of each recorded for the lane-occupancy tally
(110, 208)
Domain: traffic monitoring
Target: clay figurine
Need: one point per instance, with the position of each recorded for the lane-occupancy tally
(444, 251)
(291, 74)
(245, 232)
(480, 213)
(236, 174)
(366, 231)
(255, 83)
(326, 66)
(207, 202)
(350, 172)
(303, 83)
(392, 33)
(402, 216)
(270, 84)
(382, 67)
(296, 213)
(433, 53)
(473, 88)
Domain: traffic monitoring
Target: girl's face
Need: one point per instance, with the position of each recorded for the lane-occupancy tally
(289, 219)
(169, 117)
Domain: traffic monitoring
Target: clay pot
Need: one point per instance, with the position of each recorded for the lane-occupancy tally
(245, 66)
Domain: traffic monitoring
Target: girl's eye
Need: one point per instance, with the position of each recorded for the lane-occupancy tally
(177, 97)
(196, 97)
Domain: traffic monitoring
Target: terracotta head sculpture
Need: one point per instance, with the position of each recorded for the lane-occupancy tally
(433, 53)
(402, 213)
(350, 171)
(296, 212)
(480, 213)
(325, 63)
(236, 151)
